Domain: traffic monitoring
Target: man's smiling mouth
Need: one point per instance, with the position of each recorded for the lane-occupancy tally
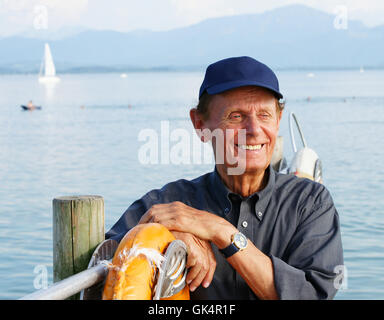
(250, 146)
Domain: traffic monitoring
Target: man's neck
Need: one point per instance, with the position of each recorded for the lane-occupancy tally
(245, 184)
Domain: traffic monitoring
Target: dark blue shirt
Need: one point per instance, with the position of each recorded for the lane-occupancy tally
(292, 220)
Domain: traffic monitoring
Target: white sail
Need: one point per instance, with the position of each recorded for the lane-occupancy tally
(48, 70)
(49, 65)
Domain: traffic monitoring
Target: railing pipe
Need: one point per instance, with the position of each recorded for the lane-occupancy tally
(72, 285)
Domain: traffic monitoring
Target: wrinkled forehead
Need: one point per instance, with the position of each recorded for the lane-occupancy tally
(246, 96)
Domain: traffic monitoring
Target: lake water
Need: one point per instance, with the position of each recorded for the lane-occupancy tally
(85, 141)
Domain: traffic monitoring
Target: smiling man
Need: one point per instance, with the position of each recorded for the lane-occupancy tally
(251, 233)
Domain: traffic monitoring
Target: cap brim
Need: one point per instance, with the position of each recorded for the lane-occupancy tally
(219, 88)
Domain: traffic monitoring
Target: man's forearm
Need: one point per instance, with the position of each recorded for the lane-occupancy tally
(257, 270)
(253, 265)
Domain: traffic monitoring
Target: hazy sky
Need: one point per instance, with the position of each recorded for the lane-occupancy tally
(124, 15)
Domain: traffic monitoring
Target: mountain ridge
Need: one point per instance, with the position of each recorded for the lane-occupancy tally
(294, 36)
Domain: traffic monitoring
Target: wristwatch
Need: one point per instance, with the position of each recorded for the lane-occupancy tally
(239, 242)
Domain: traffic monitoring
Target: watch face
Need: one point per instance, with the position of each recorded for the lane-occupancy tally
(240, 240)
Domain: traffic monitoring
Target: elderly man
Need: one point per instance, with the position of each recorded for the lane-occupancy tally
(251, 233)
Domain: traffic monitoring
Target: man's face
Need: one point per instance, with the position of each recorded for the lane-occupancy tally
(250, 108)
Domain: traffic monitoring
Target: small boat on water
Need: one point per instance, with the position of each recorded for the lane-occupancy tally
(47, 72)
(26, 108)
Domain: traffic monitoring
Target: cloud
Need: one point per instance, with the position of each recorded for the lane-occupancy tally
(68, 7)
(125, 15)
(193, 11)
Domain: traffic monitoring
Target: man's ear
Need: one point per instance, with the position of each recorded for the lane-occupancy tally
(198, 123)
(279, 116)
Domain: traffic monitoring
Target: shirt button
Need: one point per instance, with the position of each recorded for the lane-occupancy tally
(226, 210)
(244, 224)
(259, 214)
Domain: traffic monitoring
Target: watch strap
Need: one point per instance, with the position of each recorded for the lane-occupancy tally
(229, 251)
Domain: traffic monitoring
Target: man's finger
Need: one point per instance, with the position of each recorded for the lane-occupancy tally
(150, 213)
(192, 273)
(212, 267)
(191, 261)
(199, 277)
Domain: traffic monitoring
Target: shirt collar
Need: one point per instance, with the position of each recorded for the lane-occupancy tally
(221, 193)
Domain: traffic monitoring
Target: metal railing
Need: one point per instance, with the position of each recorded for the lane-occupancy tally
(74, 284)
(293, 116)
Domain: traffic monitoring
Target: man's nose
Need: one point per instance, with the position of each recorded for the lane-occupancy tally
(253, 126)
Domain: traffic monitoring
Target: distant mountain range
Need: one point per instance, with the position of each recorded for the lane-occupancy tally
(291, 37)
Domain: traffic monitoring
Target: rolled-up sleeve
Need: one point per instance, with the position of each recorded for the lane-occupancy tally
(307, 270)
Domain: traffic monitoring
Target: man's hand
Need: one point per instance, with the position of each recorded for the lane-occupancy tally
(201, 260)
(177, 216)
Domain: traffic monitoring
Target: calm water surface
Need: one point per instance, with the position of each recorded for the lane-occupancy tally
(85, 141)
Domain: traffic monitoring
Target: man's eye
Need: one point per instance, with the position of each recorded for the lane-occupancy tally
(235, 116)
(264, 115)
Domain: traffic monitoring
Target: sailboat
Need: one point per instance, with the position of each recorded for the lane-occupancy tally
(47, 70)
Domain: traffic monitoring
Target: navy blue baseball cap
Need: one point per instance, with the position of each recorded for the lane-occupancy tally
(237, 72)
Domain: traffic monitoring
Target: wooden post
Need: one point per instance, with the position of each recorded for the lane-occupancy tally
(78, 227)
